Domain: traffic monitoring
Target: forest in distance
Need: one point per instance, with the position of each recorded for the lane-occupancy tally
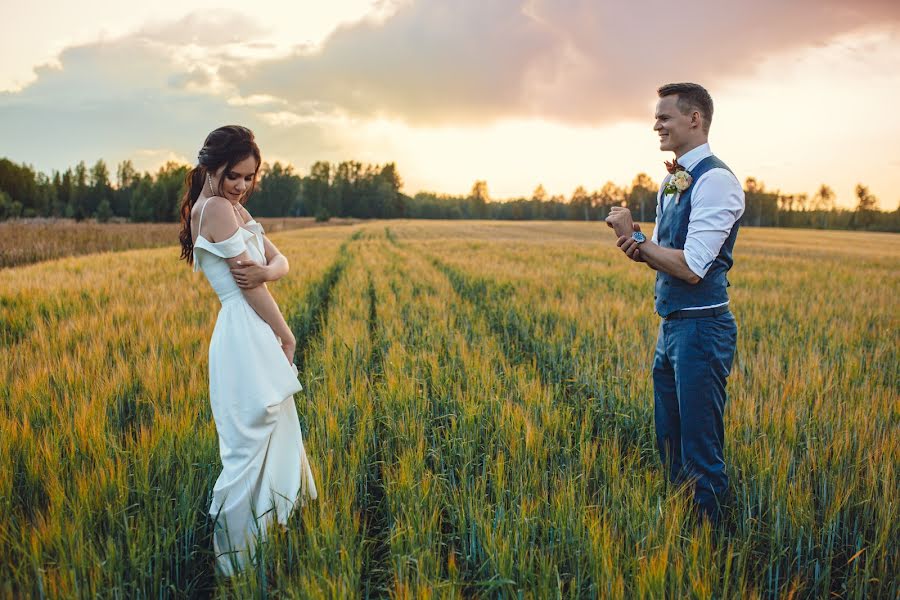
(352, 189)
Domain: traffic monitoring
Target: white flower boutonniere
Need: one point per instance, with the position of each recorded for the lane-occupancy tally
(680, 181)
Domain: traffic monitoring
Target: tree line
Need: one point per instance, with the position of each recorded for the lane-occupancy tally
(354, 189)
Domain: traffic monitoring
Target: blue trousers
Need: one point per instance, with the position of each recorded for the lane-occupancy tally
(693, 359)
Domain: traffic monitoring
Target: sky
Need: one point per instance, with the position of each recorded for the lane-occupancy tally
(515, 92)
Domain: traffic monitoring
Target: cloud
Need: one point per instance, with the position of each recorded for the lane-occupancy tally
(100, 96)
(424, 80)
(581, 61)
(206, 28)
(429, 61)
(112, 99)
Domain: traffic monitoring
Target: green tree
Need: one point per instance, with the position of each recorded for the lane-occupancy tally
(537, 208)
(80, 192)
(388, 189)
(317, 190)
(60, 196)
(66, 193)
(761, 207)
(100, 190)
(865, 199)
(580, 204)
(609, 195)
(44, 198)
(9, 208)
(18, 181)
(866, 206)
(104, 211)
(478, 199)
(345, 189)
(277, 192)
(642, 197)
(127, 179)
(823, 199)
(141, 208)
(168, 189)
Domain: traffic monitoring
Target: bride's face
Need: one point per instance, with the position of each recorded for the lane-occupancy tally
(236, 181)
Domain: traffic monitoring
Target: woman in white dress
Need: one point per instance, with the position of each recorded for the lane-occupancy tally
(252, 377)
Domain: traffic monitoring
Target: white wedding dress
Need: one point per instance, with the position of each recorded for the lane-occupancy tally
(265, 472)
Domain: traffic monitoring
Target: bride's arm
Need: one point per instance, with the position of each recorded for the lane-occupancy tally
(261, 300)
(223, 225)
(253, 274)
(278, 265)
(249, 274)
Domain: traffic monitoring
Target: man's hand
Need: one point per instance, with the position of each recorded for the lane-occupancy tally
(620, 220)
(630, 247)
(248, 274)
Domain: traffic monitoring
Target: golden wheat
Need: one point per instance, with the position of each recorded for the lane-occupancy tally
(478, 414)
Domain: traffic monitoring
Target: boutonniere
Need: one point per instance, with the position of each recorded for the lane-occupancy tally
(680, 181)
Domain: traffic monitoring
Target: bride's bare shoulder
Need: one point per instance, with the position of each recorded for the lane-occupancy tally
(219, 219)
(214, 205)
(206, 204)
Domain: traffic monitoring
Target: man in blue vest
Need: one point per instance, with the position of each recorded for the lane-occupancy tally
(698, 212)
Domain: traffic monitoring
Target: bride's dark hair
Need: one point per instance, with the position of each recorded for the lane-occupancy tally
(226, 146)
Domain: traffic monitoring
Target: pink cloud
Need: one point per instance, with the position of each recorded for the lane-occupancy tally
(571, 60)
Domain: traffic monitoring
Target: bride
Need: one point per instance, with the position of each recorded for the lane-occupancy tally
(252, 377)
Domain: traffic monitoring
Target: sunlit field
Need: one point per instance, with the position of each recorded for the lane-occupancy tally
(477, 409)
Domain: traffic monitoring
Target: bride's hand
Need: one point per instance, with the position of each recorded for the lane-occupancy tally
(249, 274)
(289, 347)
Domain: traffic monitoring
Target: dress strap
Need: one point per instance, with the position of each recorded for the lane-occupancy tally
(200, 222)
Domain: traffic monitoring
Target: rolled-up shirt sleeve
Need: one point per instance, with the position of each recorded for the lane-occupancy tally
(717, 202)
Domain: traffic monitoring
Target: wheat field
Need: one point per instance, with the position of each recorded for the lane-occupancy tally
(477, 409)
(26, 241)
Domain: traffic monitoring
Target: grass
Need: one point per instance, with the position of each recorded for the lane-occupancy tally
(477, 409)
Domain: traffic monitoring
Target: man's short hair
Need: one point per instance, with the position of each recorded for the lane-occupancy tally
(691, 96)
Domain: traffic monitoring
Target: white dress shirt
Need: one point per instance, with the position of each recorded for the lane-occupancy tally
(717, 202)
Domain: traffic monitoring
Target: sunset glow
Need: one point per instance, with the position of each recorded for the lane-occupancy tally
(528, 96)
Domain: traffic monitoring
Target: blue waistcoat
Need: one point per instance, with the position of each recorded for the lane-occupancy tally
(673, 293)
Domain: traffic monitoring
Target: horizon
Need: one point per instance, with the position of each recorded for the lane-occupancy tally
(550, 194)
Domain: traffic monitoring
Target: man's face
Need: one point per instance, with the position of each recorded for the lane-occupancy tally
(674, 128)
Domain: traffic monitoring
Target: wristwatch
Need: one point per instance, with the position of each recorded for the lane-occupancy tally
(639, 237)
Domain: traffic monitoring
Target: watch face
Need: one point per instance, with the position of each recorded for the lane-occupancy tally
(638, 237)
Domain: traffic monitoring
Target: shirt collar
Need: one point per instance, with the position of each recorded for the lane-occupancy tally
(690, 159)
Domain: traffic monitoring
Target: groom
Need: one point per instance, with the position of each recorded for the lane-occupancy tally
(697, 218)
